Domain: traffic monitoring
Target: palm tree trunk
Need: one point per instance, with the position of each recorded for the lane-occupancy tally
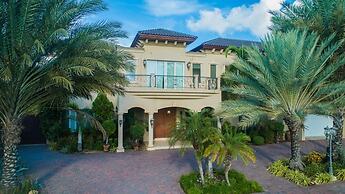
(201, 170)
(11, 138)
(227, 164)
(338, 124)
(296, 159)
(210, 168)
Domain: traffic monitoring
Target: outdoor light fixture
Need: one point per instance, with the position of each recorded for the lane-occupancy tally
(189, 64)
(145, 63)
(120, 122)
(168, 112)
(151, 122)
(330, 133)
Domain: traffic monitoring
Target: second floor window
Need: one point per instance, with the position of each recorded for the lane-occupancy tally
(130, 75)
(213, 71)
(167, 74)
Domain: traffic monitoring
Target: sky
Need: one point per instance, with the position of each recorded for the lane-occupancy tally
(236, 19)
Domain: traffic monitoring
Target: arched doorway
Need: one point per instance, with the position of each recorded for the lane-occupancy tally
(133, 116)
(165, 121)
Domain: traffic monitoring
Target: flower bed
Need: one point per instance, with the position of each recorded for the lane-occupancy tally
(191, 184)
(314, 173)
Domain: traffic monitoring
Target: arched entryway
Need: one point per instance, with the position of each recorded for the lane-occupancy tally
(133, 117)
(165, 121)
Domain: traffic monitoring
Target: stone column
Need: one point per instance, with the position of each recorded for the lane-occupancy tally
(120, 133)
(150, 124)
(196, 81)
(219, 122)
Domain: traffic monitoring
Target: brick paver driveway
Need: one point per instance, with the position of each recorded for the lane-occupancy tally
(148, 172)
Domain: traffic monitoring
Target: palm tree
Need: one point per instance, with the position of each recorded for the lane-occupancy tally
(288, 80)
(324, 17)
(228, 146)
(193, 129)
(47, 55)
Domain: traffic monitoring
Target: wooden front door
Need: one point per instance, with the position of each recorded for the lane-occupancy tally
(165, 120)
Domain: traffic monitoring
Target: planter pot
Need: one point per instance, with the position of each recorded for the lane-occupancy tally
(106, 147)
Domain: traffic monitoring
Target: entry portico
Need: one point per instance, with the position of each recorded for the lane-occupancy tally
(163, 109)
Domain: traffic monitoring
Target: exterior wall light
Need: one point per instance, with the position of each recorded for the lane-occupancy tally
(189, 64)
(151, 122)
(145, 63)
(120, 122)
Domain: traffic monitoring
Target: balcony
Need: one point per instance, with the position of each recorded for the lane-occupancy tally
(173, 82)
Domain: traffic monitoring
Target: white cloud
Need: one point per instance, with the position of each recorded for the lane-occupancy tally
(171, 7)
(255, 18)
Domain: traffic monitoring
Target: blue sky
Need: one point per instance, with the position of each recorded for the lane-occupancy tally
(238, 19)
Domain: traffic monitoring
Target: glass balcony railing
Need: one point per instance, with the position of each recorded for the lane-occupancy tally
(172, 82)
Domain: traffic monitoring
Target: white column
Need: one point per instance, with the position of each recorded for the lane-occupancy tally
(120, 134)
(219, 122)
(150, 124)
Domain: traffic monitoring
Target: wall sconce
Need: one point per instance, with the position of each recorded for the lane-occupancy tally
(189, 64)
(221, 119)
(151, 122)
(168, 111)
(120, 122)
(145, 63)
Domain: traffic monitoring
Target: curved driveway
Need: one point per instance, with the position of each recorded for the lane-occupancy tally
(148, 172)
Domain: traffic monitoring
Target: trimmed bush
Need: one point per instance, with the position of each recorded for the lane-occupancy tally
(103, 108)
(313, 169)
(340, 174)
(238, 184)
(298, 177)
(322, 178)
(278, 168)
(258, 140)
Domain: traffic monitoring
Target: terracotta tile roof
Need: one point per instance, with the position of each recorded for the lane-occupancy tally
(222, 43)
(163, 34)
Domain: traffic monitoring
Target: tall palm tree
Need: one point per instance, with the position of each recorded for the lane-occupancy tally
(324, 17)
(47, 55)
(193, 129)
(287, 81)
(227, 146)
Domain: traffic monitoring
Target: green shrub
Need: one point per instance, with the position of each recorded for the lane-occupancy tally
(25, 187)
(341, 157)
(137, 130)
(268, 135)
(312, 169)
(238, 184)
(298, 177)
(258, 140)
(278, 168)
(110, 127)
(103, 108)
(340, 174)
(54, 146)
(68, 144)
(322, 178)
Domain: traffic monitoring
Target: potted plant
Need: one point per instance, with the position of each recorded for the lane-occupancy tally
(136, 132)
(110, 127)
